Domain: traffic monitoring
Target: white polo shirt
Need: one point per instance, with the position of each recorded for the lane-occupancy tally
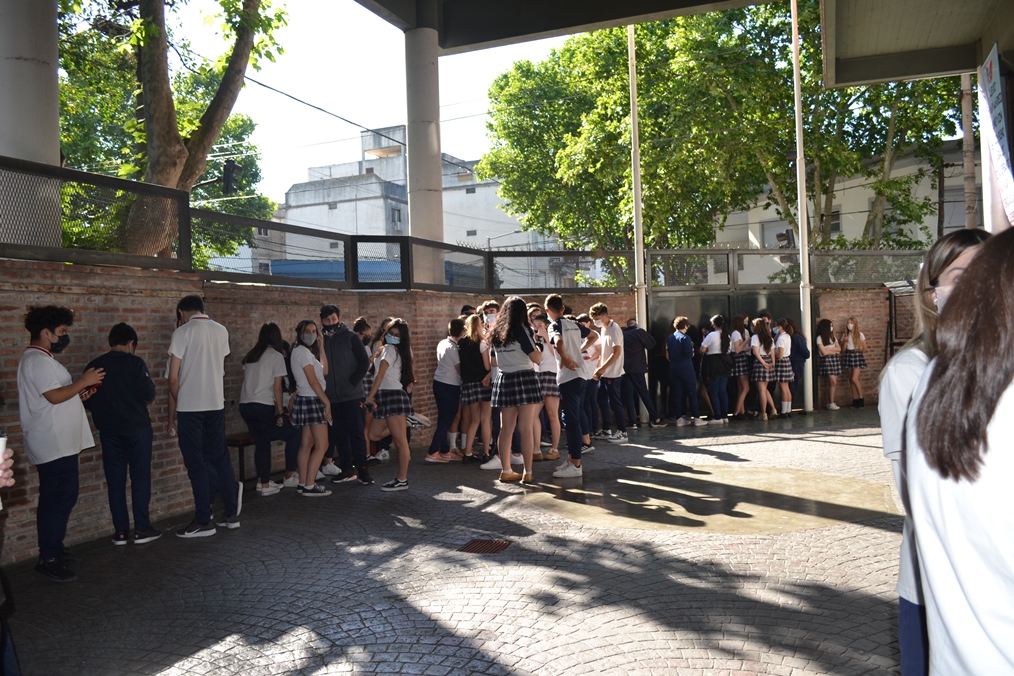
(783, 342)
(300, 358)
(612, 336)
(51, 431)
(447, 359)
(259, 378)
(202, 346)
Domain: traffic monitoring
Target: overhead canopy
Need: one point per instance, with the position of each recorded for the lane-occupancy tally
(467, 25)
(868, 41)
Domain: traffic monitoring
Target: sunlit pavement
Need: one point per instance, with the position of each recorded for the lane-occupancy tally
(748, 548)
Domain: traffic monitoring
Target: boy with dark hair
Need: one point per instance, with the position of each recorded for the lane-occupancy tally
(120, 412)
(569, 338)
(55, 429)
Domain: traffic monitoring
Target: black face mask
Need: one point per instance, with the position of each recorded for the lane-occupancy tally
(329, 330)
(61, 344)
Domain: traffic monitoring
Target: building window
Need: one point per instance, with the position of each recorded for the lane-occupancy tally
(470, 233)
(336, 245)
(263, 232)
(836, 221)
(264, 268)
(332, 205)
(369, 170)
(469, 191)
(396, 215)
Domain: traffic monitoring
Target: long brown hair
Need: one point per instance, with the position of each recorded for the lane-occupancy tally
(825, 333)
(512, 321)
(974, 367)
(300, 327)
(269, 336)
(763, 333)
(404, 349)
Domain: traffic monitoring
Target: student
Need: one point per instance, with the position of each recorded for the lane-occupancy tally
(516, 390)
(312, 408)
(741, 354)
(120, 411)
(569, 338)
(609, 373)
(830, 362)
(960, 470)
(798, 357)
(718, 362)
(635, 366)
(476, 390)
(784, 375)
(763, 372)
(262, 404)
(390, 399)
(853, 361)
(679, 350)
(375, 452)
(446, 393)
(590, 359)
(943, 265)
(55, 429)
(550, 387)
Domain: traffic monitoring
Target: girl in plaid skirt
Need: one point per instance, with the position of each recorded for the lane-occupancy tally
(853, 360)
(373, 346)
(741, 355)
(783, 365)
(763, 347)
(830, 363)
(517, 391)
(550, 388)
(476, 392)
(312, 410)
(389, 397)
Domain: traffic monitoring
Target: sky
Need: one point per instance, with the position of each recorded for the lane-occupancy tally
(343, 58)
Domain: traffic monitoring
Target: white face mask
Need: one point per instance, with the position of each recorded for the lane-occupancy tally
(599, 323)
(848, 326)
(489, 319)
(942, 293)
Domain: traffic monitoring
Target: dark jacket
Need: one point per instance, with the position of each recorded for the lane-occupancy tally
(800, 351)
(121, 402)
(635, 341)
(347, 363)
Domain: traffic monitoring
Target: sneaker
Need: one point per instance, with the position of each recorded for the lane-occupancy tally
(229, 522)
(239, 497)
(674, 421)
(552, 455)
(383, 455)
(272, 484)
(271, 489)
(587, 448)
(618, 438)
(55, 570)
(344, 478)
(509, 477)
(291, 481)
(330, 469)
(658, 423)
(571, 471)
(121, 537)
(698, 421)
(492, 463)
(632, 426)
(681, 422)
(545, 444)
(601, 434)
(832, 406)
(417, 420)
(517, 459)
(364, 479)
(197, 530)
(562, 465)
(395, 485)
(320, 476)
(145, 536)
(436, 457)
(314, 491)
(454, 455)
(470, 458)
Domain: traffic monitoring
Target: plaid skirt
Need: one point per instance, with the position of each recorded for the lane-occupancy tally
(473, 393)
(783, 370)
(308, 411)
(830, 365)
(761, 374)
(549, 386)
(519, 388)
(368, 380)
(853, 359)
(741, 364)
(391, 403)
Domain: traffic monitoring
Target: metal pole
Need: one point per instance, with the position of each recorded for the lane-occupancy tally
(635, 167)
(802, 218)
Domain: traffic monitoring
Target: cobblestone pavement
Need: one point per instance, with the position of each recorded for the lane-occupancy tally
(371, 582)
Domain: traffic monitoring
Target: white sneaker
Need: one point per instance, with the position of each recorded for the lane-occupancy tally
(492, 463)
(832, 406)
(571, 471)
(700, 421)
(330, 469)
(618, 438)
(383, 455)
(562, 465)
(725, 421)
(601, 434)
(269, 490)
(271, 484)
(320, 475)
(517, 459)
(291, 481)
(681, 422)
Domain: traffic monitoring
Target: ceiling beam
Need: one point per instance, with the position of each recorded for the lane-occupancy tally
(919, 64)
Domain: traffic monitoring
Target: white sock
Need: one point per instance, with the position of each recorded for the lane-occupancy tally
(452, 438)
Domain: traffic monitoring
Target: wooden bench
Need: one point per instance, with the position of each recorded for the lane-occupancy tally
(240, 441)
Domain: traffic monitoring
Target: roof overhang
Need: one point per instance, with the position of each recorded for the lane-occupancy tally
(468, 25)
(867, 41)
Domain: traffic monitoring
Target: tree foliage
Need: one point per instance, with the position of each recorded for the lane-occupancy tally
(717, 133)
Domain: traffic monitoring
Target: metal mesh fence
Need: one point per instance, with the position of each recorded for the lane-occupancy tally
(768, 268)
(690, 269)
(563, 270)
(379, 261)
(865, 267)
(450, 267)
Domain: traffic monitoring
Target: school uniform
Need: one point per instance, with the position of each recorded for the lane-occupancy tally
(716, 368)
(830, 364)
(391, 397)
(446, 393)
(516, 384)
(548, 373)
(783, 365)
(759, 374)
(682, 377)
(571, 382)
(853, 358)
(308, 409)
(740, 360)
(473, 371)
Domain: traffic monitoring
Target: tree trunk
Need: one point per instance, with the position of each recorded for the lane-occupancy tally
(825, 226)
(875, 219)
(968, 153)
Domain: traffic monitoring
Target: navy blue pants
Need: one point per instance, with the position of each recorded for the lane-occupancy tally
(572, 402)
(447, 398)
(590, 421)
(260, 419)
(125, 451)
(797, 394)
(206, 457)
(635, 388)
(913, 638)
(718, 392)
(347, 434)
(614, 403)
(684, 386)
(57, 496)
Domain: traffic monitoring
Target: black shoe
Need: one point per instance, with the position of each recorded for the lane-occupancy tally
(143, 536)
(470, 458)
(658, 423)
(862, 403)
(344, 477)
(364, 478)
(229, 522)
(121, 537)
(395, 485)
(197, 530)
(55, 570)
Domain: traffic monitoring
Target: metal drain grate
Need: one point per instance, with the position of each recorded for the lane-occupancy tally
(485, 546)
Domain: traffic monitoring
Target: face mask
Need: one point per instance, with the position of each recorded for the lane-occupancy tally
(61, 344)
(309, 339)
(942, 293)
(599, 323)
(489, 319)
(393, 340)
(329, 330)
(365, 339)
(775, 331)
(848, 326)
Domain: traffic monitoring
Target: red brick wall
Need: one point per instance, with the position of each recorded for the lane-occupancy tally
(871, 310)
(103, 296)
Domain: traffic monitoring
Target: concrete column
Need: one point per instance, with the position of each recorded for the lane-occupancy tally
(425, 172)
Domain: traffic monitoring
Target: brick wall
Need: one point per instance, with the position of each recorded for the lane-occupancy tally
(104, 296)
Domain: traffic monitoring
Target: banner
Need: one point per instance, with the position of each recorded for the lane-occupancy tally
(993, 128)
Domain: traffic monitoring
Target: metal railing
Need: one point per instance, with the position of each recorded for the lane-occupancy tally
(55, 214)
